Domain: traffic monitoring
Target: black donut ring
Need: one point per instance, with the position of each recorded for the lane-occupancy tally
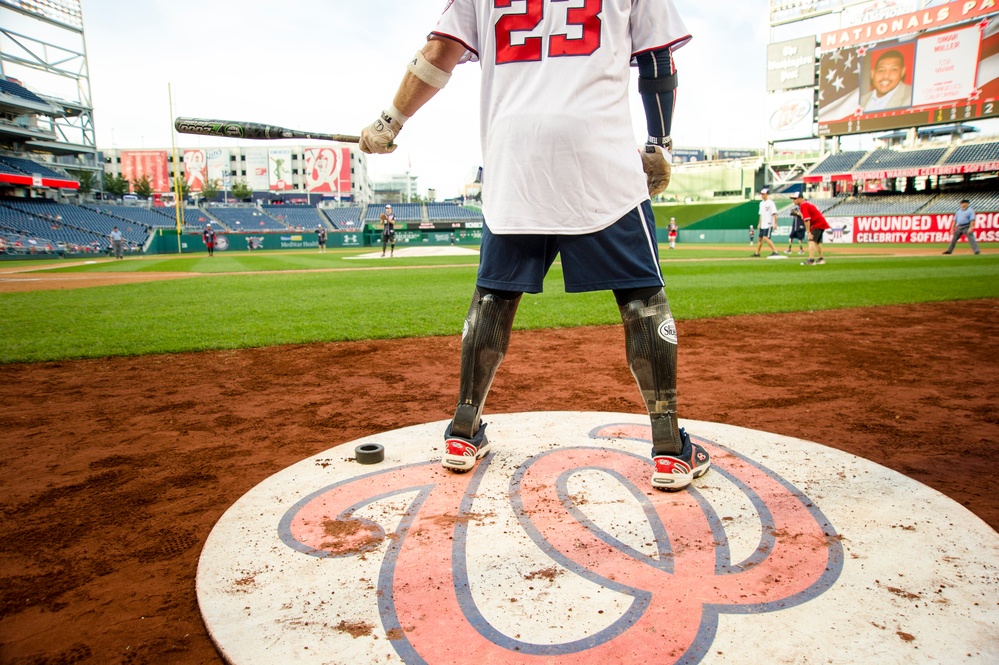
(369, 453)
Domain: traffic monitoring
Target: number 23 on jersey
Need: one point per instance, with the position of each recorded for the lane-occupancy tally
(587, 16)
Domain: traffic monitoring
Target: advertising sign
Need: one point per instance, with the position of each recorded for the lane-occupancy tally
(218, 164)
(327, 170)
(791, 64)
(790, 114)
(279, 161)
(907, 24)
(195, 170)
(149, 163)
(919, 228)
(257, 169)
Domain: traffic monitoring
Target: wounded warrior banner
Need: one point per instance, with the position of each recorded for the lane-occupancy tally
(914, 228)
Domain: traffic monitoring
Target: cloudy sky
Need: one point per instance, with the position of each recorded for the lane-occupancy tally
(332, 65)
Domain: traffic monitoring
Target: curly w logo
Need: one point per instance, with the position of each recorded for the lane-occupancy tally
(632, 572)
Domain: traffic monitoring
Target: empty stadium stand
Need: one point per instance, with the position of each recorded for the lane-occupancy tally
(948, 203)
(71, 218)
(886, 160)
(347, 218)
(246, 219)
(15, 90)
(21, 166)
(841, 163)
(450, 211)
(295, 216)
(404, 212)
(974, 153)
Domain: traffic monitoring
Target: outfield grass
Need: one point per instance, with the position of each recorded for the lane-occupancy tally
(428, 296)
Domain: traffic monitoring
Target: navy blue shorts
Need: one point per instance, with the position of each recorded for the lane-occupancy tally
(622, 256)
(797, 234)
(765, 233)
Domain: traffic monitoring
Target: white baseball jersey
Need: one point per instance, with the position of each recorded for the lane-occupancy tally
(557, 141)
(768, 214)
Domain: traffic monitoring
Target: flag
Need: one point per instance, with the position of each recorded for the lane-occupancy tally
(839, 84)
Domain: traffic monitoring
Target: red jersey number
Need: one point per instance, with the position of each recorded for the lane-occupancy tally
(587, 16)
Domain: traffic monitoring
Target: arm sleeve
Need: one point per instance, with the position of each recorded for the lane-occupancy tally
(657, 83)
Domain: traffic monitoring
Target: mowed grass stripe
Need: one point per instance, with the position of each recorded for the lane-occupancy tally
(264, 309)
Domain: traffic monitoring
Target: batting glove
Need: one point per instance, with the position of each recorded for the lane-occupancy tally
(656, 161)
(379, 136)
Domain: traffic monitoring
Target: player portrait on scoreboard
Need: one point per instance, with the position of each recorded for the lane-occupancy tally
(887, 78)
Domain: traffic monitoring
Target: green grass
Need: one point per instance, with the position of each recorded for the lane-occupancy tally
(225, 311)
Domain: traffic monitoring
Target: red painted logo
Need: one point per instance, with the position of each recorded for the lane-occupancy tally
(677, 595)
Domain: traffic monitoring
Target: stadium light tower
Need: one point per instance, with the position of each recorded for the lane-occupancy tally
(42, 45)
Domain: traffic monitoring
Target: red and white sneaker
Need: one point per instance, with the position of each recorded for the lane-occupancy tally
(675, 472)
(461, 454)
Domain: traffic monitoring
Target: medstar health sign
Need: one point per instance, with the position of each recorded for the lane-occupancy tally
(555, 549)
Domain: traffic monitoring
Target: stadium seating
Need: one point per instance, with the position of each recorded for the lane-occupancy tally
(404, 212)
(898, 204)
(888, 160)
(246, 219)
(841, 163)
(451, 211)
(20, 166)
(15, 90)
(974, 153)
(295, 216)
(344, 219)
(29, 226)
(76, 217)
(948, 203)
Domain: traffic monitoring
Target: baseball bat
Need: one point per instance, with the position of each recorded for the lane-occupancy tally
(236, 129)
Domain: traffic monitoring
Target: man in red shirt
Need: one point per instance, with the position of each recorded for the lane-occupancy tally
(815, 224)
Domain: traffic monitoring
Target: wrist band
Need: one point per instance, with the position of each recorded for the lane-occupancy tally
(392, 113)
(421, 68)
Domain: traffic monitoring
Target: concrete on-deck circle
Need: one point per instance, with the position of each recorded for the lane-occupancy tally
(556, 549)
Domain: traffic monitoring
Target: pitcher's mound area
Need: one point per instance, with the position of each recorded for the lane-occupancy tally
(411, 252)
(555, 549)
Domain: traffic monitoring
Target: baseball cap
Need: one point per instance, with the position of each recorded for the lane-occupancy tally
(765, 190)
(388, 205)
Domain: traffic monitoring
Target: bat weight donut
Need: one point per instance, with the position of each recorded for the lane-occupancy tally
(369, 453)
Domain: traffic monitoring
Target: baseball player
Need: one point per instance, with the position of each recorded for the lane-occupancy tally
(797, 231)
(208, 236)
(815, 226)
(556, 136)
(671, 233)
(388, 230)
(321, 237)
(768, 222)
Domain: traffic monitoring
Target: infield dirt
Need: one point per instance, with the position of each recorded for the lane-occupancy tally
(115, 470)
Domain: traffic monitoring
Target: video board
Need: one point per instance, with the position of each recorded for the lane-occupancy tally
(930, 67)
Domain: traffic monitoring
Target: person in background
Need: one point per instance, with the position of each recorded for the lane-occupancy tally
(964, 225)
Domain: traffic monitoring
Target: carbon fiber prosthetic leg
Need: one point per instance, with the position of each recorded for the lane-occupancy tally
(484, 341)
(650, 337)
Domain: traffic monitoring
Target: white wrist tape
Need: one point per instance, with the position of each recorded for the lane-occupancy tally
(392, 113)
(421, 68)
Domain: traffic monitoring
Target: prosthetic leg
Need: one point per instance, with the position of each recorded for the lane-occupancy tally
(484, 341)
(651, 341)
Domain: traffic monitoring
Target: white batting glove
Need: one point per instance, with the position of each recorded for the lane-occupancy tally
(379, 136)
(656, 163)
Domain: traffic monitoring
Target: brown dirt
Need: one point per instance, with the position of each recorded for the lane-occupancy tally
(115, 470)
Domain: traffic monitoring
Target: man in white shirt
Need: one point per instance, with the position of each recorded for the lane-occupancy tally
(562, 176)
(768, 222)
